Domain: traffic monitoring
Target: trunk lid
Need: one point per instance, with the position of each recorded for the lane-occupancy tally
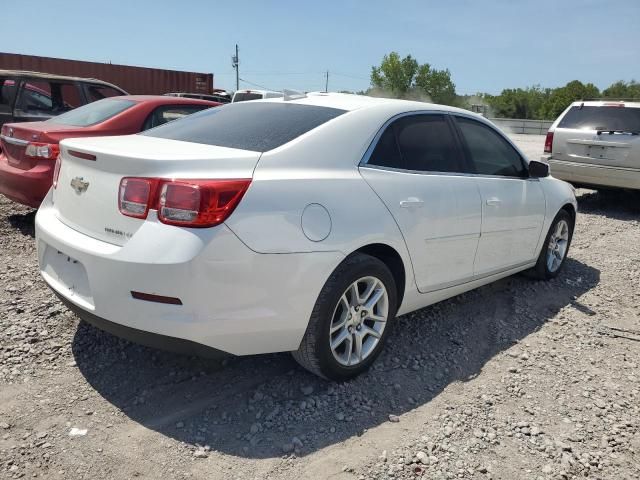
(86, 198)
(599, 135)
(16, 136)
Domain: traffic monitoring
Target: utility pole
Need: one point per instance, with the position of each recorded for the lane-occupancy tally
(326, 82)
(235, 61)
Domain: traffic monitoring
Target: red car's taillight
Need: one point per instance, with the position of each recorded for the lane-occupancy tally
(548, 142)
(186, 203)
(56, 171)
(48, 151)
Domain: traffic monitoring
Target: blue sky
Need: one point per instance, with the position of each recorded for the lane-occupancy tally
(487, 45)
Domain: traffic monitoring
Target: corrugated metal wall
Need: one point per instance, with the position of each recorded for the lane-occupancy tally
(135, 80)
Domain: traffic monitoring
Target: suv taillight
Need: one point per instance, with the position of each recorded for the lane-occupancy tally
(56, 171)
(42, 150)
(548, 142)
(186, 203)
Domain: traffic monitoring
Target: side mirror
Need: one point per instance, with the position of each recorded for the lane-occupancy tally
(538, 169)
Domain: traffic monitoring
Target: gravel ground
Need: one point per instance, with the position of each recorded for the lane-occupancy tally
(519, 379)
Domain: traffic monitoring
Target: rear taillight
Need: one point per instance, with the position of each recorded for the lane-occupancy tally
(135, 196)
(42, 150)
(187, 203)
(548, 142)
(56, 171)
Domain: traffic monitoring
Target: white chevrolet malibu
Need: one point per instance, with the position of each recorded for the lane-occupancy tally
(301, 225)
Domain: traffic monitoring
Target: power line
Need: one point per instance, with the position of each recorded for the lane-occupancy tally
(254, 84)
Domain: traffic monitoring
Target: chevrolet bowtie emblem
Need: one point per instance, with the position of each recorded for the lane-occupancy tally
(79, 185)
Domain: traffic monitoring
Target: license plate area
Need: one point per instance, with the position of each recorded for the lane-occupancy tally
(68, 276)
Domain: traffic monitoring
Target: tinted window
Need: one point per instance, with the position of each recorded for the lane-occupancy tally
(418, 142)
(98, 92)
(168, 113)
(386, 153)
(7, 94)
(93, 113)
(253, 126)
(490, 153)
(602, 118)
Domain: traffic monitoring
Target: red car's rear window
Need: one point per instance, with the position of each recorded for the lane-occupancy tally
(93, 113)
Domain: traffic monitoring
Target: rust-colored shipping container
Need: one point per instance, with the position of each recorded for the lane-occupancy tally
(135, 80)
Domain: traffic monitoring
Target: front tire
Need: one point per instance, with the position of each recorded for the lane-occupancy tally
(555, 248)
(350, 320)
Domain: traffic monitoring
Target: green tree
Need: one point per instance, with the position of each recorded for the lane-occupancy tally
(406, 78)
(562, 97)
(624, 90)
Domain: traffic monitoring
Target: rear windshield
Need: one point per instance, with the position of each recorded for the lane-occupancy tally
(92, 113)
(602, 118)
(241, 97)
(256, 126)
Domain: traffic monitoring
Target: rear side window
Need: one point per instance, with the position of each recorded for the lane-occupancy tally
(490, 153)
(255, 126)
(98, 92)
(419, 142)
(93, 113)
(605, 118)
(45, 98)
(7, 94)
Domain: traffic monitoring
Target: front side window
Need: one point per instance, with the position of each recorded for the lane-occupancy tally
(93, 113)
(254, 126)
(7, 94)
(422, 143)
(490, 153)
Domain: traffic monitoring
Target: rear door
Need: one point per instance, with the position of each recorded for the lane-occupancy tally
(607, 135)
(417, 169)
(513, 205)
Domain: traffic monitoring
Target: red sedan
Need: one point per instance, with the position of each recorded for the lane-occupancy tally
(29, 150)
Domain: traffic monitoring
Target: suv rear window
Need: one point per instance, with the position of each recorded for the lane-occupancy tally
(602, 118)
(248, 126)
(93, 113)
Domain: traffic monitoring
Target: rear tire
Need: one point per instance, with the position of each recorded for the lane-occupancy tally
(555, 248)
(347, 330)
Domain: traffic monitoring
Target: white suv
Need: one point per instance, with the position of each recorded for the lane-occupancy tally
(596, 144)
(245, 95)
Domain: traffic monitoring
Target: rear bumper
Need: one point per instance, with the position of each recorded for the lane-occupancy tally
(28, 187)
(594, 175)
(233, 299)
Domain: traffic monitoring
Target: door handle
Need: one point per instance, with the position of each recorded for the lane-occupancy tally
(411, 202)
(493, 201)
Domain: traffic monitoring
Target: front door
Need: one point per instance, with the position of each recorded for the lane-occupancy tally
(417, 170)
(513, 205)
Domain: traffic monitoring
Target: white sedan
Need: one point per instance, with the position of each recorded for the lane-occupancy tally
(301, 225)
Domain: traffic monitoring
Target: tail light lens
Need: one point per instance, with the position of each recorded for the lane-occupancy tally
(42, 150)
(548, 142)
(187, 203)
(135, 196)
(56, 171)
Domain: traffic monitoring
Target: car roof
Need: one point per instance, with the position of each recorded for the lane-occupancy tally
(605, 103)
(166, 100)
(51, 76)
(350, 102)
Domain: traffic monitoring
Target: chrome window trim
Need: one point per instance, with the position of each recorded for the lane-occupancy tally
(364, 162)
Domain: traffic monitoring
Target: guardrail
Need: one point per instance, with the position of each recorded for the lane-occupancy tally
(515, 125)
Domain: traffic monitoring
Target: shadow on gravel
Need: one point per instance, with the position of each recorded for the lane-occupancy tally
(617, 204)
(261, 406)
(24, 222)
